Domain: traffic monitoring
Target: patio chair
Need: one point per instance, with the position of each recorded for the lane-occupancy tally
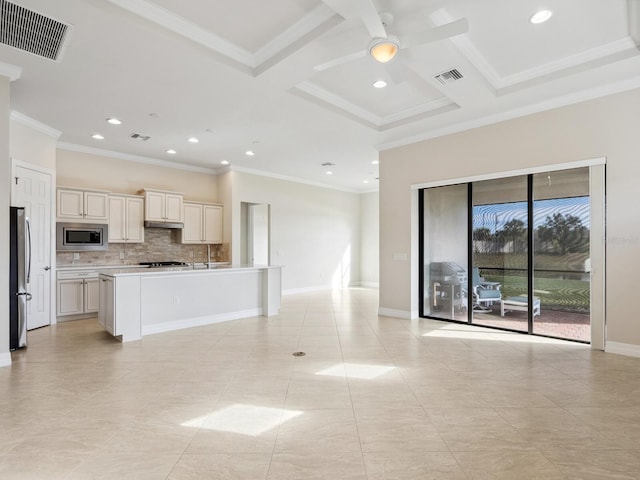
(484, 293)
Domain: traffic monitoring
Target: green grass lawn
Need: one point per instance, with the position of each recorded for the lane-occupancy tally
(555, 294)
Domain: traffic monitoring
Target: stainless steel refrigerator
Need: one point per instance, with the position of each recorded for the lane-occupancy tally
(19, 273)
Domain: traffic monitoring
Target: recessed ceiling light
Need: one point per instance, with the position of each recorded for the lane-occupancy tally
(365, 181)
(329, 172)
(540, 16)
(114, 121)
(375, 162)
(193, 140)
(225, 162)
(171, 151)
(379, 84)
(249, 153)
(97, 136)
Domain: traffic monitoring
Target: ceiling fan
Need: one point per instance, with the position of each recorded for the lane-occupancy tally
(383, 47)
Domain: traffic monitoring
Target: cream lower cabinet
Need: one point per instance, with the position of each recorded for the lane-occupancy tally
(126, 219)
(77, 296)
(202, 223)
(106, 312)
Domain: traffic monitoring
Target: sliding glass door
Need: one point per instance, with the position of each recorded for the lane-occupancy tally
(513, 253)
(562, 263)
(500, 252)
(444, 256)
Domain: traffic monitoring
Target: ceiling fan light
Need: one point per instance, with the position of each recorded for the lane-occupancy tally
(383, 49)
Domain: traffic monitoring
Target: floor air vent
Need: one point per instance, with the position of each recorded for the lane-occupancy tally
(451, 76)
(30, 31)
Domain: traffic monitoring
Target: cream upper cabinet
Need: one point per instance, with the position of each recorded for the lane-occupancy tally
(202, 223)
(173, 207)
(126, 219)
(192, 230)
(163, 206)
(212, 223)
(82, 205)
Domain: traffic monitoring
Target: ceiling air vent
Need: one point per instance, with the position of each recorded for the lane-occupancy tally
(327, 164)
(32, 32)
(137, 136)
(445, 78)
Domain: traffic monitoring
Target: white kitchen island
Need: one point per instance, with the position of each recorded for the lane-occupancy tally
(138, 302)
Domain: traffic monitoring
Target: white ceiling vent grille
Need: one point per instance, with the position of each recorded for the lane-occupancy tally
(30, 31)
(445, 78)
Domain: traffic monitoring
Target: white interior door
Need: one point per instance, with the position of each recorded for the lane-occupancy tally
(31, 189)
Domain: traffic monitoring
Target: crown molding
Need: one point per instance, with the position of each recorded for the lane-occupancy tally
(561, 101)
(12, 72)
(190, 168)
(34, 124)
(288, 178)
(134, 158)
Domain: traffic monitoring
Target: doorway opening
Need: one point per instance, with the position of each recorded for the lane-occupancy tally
(256, 220)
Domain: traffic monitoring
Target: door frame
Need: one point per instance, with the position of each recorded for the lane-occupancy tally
(597, 244)
(52, 253)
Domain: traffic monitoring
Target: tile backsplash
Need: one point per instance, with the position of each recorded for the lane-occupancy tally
(160, 244)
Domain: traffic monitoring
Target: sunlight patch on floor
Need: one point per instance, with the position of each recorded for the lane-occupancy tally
(354, 370)
(244, 419)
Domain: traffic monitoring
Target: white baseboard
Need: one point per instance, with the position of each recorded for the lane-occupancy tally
(199, 321)
(320, 288)
(293, 291)
(390, 312)
(627, 349)
(5, 359)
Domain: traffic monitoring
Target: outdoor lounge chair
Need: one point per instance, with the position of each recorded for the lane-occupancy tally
(484, 293)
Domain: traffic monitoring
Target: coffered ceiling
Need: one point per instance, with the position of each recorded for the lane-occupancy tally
(292, 80)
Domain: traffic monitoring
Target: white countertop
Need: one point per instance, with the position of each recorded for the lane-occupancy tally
(183, 270)
(93, 267)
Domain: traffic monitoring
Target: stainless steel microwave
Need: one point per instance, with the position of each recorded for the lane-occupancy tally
(77, 237)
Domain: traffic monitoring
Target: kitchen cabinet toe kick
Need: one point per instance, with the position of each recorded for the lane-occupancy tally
(135, 304)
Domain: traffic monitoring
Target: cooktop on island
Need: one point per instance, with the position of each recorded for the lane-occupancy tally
(163, 264)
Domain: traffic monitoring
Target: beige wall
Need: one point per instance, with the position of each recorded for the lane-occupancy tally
(5, 193)
(75, 169)
(31, 146)
(605, 127)
(369, 239)
(315, 232)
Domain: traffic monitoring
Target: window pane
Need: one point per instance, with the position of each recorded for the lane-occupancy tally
(561, 262)
(500, 235)
(445, 252)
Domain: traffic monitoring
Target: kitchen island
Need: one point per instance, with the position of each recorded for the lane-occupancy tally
(143, 301)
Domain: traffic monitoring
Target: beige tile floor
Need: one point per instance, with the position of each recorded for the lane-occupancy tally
(373, 398)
